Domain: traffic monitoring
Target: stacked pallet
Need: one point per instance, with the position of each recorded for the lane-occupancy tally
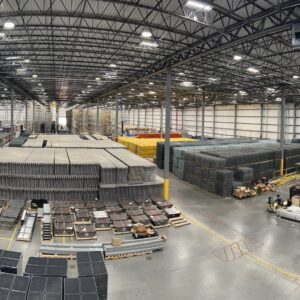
(145, 147)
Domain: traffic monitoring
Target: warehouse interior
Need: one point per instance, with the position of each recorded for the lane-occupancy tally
(149, 148)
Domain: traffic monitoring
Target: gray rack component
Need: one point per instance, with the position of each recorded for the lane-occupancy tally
(291, 213)
(134, 246)
(59, 248)
(61, 161)
(40, 162)
(26, 230)
(47, 209)
(139, 169)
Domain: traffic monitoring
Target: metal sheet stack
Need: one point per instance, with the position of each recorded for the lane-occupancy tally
(14, 287)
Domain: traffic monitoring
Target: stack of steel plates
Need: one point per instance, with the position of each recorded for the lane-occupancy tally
(81, 288)
(14, 287)
(139, 169)
(61, 162)
(44, 288)
(11, 213)
(41, 266)
(10, 261)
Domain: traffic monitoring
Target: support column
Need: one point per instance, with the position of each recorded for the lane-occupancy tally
(197, 113)
(12, 96)
(161, 120)
(282, 132)
(167, 133)
(214, 121)
(203, 118)
(117, 118)
(152, 117)
(57, 117)
(97, 121)
(261, 120)
(295, 120)
(139, 119)
(235, 120)
(26, 113)
(33, 116)
(182, 120)
(145, 121)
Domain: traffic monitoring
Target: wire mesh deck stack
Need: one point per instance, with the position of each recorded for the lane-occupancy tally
(219, 168)
(67, 174)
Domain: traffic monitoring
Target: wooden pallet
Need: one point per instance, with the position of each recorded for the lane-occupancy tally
(82, 223)
(103, 229)
(178, 222)
(161, 226)
(121, 232)
(126, 255)
(56, 255)
(85, 238)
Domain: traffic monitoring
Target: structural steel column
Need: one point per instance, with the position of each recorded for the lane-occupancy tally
(33, 116)
(182, 120)
(117, 119)
(57, 118)
(26, 113)
(196, 129)
(214, 121)
(161, 120)
(139, 119)
(167, 133)
(295, 120)
(282, 132)
(97, 122)
(261, 119)
(12, 96)
(203, 118)
(152, 117)
(235, 120)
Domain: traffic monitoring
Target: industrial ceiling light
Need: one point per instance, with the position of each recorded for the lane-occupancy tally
(149, 44)
(9, 25)
(113, 65)
(132, 89)
(5, 89)
(253, 70)
(34, 76)
(200, 5)
(237, 57)
(146, 34)
(27, 61)
(152, 92)
(187, 83)
(295, 77)
(89, 86)
(12, 57)
(97, 78)
(39, 84)
(151, 83)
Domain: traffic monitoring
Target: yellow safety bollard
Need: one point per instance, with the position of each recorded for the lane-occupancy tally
(166, 189)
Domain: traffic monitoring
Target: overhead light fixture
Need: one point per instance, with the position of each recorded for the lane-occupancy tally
(5, 89)
(119, 94)
(132, 89)
(237, 57)
(149, 44)
(212, 79)
(97, 78)
(34, 76)
(146, 34)
(89, 86)
(152, 92)
(200, 5)
(295, 77)
(113, 65)
(181, 74)
(39, 84)
(2, 35)
(27, 61)
(253, 70)
(151, 83)
(187, 83)
(141, 94)
(9, 24)
(12, 57)
(271, 90)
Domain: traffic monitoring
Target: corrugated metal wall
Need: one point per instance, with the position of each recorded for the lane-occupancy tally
(253, 120)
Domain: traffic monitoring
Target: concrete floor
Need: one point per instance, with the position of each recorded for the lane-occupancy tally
(232, 250)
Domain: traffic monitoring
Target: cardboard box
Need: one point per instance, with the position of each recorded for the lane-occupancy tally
(116, 242)
(296, 200)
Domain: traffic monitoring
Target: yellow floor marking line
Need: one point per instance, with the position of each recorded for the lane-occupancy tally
(12, 238)
(5, 238)
(260, 261)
